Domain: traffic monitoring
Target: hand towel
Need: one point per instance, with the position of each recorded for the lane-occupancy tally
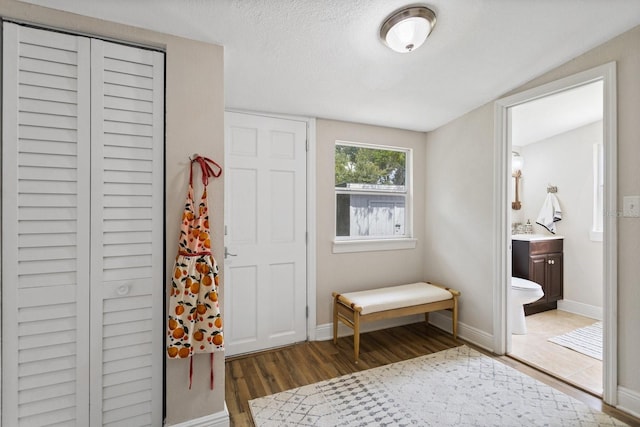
(550, 213)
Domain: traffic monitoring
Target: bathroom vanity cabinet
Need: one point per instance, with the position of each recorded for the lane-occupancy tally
(540, 260)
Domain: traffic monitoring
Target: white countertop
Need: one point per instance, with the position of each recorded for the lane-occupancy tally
(535, 237)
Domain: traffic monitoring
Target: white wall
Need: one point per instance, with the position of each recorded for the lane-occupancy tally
(566, 161)
(460, 190)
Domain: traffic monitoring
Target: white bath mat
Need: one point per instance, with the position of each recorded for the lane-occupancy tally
(587, 340)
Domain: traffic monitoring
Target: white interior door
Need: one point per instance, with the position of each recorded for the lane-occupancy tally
(82, 231)
(265, 289)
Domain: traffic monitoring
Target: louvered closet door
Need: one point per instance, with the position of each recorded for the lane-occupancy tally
(81, 231)
(45, 228)
(127, 232)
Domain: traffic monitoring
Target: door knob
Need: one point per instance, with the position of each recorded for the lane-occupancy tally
(227, 253)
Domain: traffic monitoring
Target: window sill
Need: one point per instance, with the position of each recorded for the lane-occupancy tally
(346, 246)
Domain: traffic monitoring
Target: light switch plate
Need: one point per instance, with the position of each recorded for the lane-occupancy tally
(631, 206)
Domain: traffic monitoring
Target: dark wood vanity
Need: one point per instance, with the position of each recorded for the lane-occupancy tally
(540, 261)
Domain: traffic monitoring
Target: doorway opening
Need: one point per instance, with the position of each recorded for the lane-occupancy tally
(558, 239)
(557, 140)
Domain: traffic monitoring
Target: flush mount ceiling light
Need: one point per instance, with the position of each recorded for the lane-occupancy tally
(406, 29)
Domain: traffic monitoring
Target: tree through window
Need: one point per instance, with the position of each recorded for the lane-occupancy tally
(371, 191)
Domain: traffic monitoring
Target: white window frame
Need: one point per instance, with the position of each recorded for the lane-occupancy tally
(345, 244)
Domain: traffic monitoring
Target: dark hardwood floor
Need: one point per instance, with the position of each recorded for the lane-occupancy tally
(265, 373)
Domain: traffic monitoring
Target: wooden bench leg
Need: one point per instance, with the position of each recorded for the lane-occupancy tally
(454, 317)
(356, 335)
(335, 319)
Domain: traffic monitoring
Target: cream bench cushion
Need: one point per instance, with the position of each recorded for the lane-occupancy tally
(392, 297)
(352, 308)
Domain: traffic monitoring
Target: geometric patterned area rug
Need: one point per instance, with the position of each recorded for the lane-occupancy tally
(587, 340)
(455, 387)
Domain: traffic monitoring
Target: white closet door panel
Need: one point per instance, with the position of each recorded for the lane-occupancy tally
(48, 121)
(33, 395)
(133, 177)
(126, 317)
(130, 249)
(127, 140)
(55, 54)
(123, 341)
(125, 115)
(125, 92)
(47, 415)
(39, 213)
(49, 379)
(128, 189)
(122, 104)
(47, 107)
(119, 152)
(127, 223)
(50, 81)
(131, 66)
(45, 273)
(114, 213)
(48, 94)
(125, 416)
(52, 326)
(40, 173)
(38, 187)
(123, 128)
(123, 164)
(133, 237)
(120, 78)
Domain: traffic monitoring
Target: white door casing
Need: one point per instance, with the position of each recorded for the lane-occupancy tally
(82, 230)
(265, 278)
(502, 247)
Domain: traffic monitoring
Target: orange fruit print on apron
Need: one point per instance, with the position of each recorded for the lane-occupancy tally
(195, 324)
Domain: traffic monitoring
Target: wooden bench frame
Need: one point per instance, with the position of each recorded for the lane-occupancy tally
(350, 314)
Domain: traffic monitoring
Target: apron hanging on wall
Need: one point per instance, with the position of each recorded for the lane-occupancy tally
(195, 323)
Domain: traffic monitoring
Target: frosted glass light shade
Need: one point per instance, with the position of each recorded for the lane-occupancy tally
(407, 29)
(517, 162)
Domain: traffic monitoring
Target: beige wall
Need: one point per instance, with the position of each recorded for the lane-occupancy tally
(459, 213)
(362, 270)
(466, 145)
(194, 123)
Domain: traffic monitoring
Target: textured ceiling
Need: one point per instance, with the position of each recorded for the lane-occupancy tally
(323, 58)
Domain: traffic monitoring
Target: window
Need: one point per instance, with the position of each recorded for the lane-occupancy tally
(372, 186)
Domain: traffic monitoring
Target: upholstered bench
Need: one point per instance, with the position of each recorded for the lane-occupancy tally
(352, 308)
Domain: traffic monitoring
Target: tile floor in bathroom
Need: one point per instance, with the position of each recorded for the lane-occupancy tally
(533, 348)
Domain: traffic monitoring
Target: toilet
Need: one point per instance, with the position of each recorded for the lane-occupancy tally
(522, 292)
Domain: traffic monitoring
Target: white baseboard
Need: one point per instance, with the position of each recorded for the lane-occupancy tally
(582, 309)
(437, 319)
(219, 419)
(468, 333)
(325, 332)
(629, 401)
